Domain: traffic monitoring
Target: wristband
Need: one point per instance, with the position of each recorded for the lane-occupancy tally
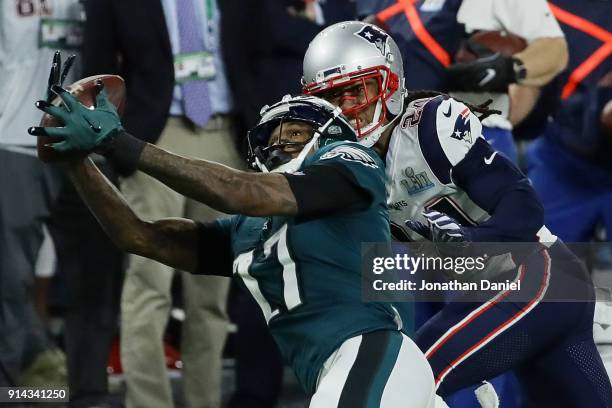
(520, 72)
(124, 150)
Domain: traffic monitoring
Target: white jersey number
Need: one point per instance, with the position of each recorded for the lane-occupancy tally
(291, 290)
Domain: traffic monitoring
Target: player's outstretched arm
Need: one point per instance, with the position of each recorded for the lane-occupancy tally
(223, 188)
(172, 241)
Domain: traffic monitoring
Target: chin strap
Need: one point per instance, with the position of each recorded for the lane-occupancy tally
(261, 166)
(371, 139)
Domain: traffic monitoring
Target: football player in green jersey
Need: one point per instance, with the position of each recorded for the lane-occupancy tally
(295, 245)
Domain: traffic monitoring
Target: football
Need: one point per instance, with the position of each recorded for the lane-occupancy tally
(85, 91)
(497, 41)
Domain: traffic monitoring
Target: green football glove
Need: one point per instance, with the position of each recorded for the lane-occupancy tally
(58, 74)
(84, 129)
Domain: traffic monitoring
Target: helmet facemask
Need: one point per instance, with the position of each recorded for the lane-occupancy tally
(332, 90)
(275, 155)
(278, 153)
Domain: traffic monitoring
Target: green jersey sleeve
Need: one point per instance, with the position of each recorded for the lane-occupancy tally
(361, 163)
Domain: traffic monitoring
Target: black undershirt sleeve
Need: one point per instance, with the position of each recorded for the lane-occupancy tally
(324, 189)
(214, 250)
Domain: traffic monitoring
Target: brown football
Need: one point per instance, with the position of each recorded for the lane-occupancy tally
(85, 91)
(497, 41)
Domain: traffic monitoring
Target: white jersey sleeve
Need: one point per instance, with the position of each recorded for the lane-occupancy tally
(446, 132)
(433, 136)
(457, 129)
(530, 19)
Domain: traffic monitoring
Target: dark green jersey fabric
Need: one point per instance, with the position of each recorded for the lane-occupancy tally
(306, 274)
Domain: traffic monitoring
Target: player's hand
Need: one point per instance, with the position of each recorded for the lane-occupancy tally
(84, 129)
(440, 228)
(58, 74)
(492, 73)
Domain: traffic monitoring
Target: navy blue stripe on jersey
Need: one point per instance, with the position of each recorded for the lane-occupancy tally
(430, 143)
(214, 250)
(496, 185)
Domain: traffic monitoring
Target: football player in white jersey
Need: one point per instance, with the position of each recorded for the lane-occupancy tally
(446, 184)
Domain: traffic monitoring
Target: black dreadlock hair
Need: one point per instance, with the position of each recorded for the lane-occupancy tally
(483, 110)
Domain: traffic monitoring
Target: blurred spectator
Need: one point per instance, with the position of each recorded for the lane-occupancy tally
(264, 44)
(429, 31)
(570, 164)
(424, 67)
(178, 98)
(512, 82)
(28, 186)
(87, 287)
(30, 32)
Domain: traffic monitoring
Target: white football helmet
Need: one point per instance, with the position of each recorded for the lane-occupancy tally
(348, 53)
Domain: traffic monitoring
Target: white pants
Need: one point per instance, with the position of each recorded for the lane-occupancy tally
(379, 369)
(602, 331)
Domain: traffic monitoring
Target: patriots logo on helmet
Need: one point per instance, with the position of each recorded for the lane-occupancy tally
(350, 153)
(374, 36)
(462, 130)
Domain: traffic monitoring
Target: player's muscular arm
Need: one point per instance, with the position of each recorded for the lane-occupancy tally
(544, 58)
(223, 188)
(218, 186)
(171, 241)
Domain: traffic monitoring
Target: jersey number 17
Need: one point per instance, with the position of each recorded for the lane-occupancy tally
(291, 290)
